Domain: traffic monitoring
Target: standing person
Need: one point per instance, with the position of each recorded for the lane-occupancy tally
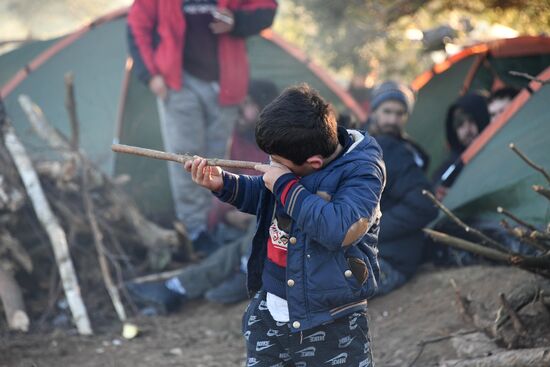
(313, 262)
(192, 55)
(406, 211)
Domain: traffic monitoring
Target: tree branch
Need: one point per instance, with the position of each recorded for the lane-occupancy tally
(484, 238)
(530, 162)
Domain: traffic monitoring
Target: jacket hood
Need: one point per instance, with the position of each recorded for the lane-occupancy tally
(474, 105)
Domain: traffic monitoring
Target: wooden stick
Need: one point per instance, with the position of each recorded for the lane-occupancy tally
(530, 162)
(180, 158)
(100, 247)
(12, 300)
(484, 238)
(536, 262)
(57, 236)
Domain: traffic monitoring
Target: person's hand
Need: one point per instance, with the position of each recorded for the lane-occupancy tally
(224, 21)
(158, 87)
(206, 176)
(272, 172)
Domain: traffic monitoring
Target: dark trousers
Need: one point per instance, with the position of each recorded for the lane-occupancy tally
(343, 342)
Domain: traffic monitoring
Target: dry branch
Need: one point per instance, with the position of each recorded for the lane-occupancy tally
(484, 238)
(519, 221)
(180, 158)
(530, 162)
(55, 233)
(89, 207)
(529, 262)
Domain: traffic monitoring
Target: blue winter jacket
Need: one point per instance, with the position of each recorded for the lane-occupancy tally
(335, 221)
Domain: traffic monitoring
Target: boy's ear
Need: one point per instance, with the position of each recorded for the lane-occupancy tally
(315, 161)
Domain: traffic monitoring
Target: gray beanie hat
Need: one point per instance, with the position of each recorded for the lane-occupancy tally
(391, 90)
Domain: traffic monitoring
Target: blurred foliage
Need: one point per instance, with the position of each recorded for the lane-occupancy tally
(368, 38)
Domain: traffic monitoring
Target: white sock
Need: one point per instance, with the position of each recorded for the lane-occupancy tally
(174, 284)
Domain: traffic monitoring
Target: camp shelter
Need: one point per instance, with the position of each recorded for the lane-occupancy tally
(480, 67)
(114, 106)
(493, 175)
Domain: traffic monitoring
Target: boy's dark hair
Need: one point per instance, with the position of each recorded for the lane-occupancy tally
(503, 93)
(297, 125)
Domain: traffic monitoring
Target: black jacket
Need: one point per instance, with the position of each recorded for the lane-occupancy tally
(405, 211)
(474, 105)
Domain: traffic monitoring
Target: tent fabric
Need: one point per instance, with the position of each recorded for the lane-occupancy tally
(113, 105)
(473, 69)
(496, 176)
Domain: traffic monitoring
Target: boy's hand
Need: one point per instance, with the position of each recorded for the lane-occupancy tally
(272, 173)
(209, 177)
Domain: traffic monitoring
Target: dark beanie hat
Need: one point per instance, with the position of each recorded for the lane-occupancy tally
(394, 91)
(262, 92)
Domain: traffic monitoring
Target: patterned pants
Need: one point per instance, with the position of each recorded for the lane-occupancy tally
(344, 342)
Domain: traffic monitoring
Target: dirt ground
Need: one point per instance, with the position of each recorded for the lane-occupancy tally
(203, 334)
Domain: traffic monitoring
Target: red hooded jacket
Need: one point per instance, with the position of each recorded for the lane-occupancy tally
(163, 20)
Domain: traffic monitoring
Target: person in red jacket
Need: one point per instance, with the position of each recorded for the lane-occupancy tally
(192, 55)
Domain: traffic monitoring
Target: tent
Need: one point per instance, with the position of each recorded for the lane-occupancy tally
(114, 106)
(478, 68)
(492, 175)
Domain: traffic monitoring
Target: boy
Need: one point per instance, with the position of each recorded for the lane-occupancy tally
(313, 262)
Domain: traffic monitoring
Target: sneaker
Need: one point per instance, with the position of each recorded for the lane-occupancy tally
(231, 291)
(205, 244)
(155, 297)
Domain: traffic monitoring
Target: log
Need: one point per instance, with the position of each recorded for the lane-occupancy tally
(535, 357)
(12, 300)
(50, 223)
(10, 244)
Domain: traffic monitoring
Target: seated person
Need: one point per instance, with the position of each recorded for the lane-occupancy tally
(405, 211)
(220, 277)
(499, 100)
(466, 118)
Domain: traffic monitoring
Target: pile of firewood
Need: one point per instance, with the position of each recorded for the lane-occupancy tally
(65, 200)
